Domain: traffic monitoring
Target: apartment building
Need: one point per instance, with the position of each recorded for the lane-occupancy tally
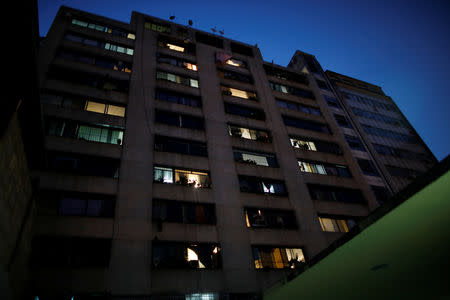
(181, 164)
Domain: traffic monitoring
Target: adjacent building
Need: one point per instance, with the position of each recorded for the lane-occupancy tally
(181, 164)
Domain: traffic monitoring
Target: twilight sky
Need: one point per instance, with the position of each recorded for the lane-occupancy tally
(402, 46)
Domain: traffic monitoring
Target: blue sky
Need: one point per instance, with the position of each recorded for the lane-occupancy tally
(402, 46)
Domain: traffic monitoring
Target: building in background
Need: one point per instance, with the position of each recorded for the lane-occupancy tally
(180, 163)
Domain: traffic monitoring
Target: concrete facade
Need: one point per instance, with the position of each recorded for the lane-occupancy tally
(130, 269)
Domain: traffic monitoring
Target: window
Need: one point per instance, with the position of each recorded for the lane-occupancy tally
(315, 145)
(54, 251)
(270, 218)
(99, 44)
(158, 27)
(238, 93)
(342, 121)
(286, 74)
(116, 65)
(209, 40)
(102, 108)
(335, 194)
(251, 184)
(99, 81)
(402, 153)
(336, 225)
(291, 90)
(106, 29)
(322, 84)
(82, 164)
(174, 97)
(65, 203)
(381, 194)
(379, 117)
(196, 179)
(306, 124)
(389, 134)
(249, 134)
(403, 172)
(367, 167)
(354, 143)
(180, 255)
(332, 102)
(74, 129)
(177, 45)
(324, 169)
(236, 63)
(177, 79)
(183, 212)
(267, 257)
(241, 49)
(178, 120)
(299, 107)
(244, 111)
(226, 74)
(182, 146)
(174, 61)
(255, 158)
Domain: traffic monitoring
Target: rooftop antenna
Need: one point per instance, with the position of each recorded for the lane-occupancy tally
(172, 17)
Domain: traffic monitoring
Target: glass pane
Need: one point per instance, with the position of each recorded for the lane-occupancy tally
(116, 110)
(194, 83)
(163, 175)
(95, 107)
(256, 159)
(238, 93)
(72, 207)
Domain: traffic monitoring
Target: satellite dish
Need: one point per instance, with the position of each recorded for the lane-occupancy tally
(221, 32)
(213, 29)
(190, 22)
(172, 17)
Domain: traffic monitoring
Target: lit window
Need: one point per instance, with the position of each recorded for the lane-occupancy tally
(277, 258)
(305, 145)
(333, 225)
(175, 47)
(163, 175)
(116, 110)
(95, 107)
(131, 36)
(191, 178)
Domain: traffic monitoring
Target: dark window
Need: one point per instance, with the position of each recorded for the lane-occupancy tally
(342, 121)
(67, 203)
(174, 97)
(182, 146)
(70, 252)
(381, 194)
(251, 184)
(208, 40)
(332, 193)
(157, 26)
(176, 255)
(402, 172)
(241, 49)
(227, 74)
(83, 164)
(322, 84)
(354, 143)
(389, 134)
(299, 107)
(179, 120)
(100, 81)
(183, 212)
(112, 64)
(291, 90)
(285, 74)
(367, 167)
(305, 124)
(332, 102)
(255, 158)
(244, 111)
(270, 218)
